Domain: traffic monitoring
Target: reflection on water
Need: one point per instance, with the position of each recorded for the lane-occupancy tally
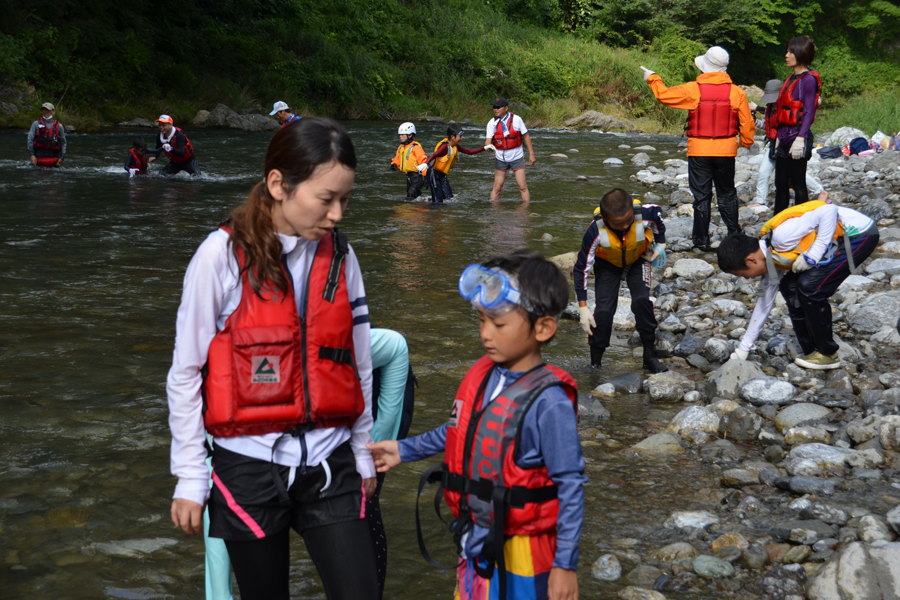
(91, 265)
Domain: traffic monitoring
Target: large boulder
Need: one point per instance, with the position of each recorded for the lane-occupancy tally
(592, 119)
(877, 209)
(565, 262)
(201, 119)
(767, 390)
(844, 135)
(859, 571)
(890, 266)
(889, 159)
(728, 379)
(680, 227)
(876, 309)
(219, 115)
(137, 122)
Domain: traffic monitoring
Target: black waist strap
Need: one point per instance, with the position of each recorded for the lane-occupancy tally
(516, 496)
(341, 355)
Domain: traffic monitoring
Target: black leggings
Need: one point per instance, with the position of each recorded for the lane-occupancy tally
(789, 173)
(376, 528)
(342, 554)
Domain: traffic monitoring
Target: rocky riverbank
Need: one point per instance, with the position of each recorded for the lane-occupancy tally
(809, 499)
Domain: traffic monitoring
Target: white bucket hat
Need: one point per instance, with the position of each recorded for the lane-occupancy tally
(280, 105)
(715, 59)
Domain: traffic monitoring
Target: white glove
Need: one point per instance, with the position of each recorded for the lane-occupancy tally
(647, 73)
(797, 148)
(167, 147)
(490, 147)
(422, 168)
(132, 172)
(651, 254)
(587, 319)
(753, 106)
(739, 354)
(800, 264)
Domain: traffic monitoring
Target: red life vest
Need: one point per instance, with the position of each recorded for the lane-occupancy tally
(47, 142)
(291, 119)
(138, 162)
(769, 123)
(510, 141)
(270, 370)
(714, 118)
(488, 465)
(188, 148)
(789, 111)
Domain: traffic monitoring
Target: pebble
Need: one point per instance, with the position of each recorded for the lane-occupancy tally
(699, 519)
(711, 567)
(607, 568)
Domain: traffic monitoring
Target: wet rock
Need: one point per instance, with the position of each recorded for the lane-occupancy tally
(859, 571)
(797, 554)
(802, 531)
(559, 155)
(893, 518)
(808, 485)
(781, 583)
(695, 417)
(662, 443)
(591, 409)
(666, 387)
(607, 568)
(711, 567)
(825, 513)
(546, 238)
(630, 383)
(776, 552)
(698, 519)
(798, 413)
(721, 451)
(133, 548)
(767, 390)
(727, 379)
(873, 529)
(672, 324)
(640, 157)
(623, 319)
(604, 390)
(865, 459)
(613, 161)
(717, 350)
(201, 119)
(823, 455)
(689, 345)
(806, 435)
(754, 557)
(863, 430)
(728, 540)
(738, 478)
(694, 268)
(742, 425)
(565, 262)
(643, 575)
(674, 552)
(636, 593)
(889, 432)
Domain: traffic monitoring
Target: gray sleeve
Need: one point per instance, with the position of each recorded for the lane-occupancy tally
(30, 143)
(62, 141)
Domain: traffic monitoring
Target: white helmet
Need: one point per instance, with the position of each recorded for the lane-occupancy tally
(406, 129)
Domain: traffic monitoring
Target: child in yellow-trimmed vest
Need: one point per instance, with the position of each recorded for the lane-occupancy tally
(625, 237)
(806, 251)
(445, 154)
(410, 159)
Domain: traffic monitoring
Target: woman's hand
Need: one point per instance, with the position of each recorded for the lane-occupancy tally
(563, 584)
(187, 515)
(369, 486)
(385, 454)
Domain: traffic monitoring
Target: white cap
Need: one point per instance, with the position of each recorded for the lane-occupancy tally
(715, 60)
(279, 106)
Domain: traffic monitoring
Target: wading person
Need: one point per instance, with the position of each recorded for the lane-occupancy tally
(410, 159)
(802, 251)
(136, 161)
(507, 133)
(718, 114)
(272, 358)
(173, 142)
(795, 111)
(519, 513)
(282, 112)
(47, 139)
(622, 241)
(445, 154)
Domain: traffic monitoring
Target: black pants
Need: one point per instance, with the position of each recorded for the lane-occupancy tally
(414, 184)
(606, 287)
(703, 172)
(189, 166)
(807, 293)
(440, 186)
(789, 173)
(376, 529)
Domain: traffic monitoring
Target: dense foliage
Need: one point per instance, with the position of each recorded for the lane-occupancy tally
(353, 58)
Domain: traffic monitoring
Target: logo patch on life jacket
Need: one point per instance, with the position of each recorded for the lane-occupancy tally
(265, 369)
(454, 413)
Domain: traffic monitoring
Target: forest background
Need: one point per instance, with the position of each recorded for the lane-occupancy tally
(104, 61)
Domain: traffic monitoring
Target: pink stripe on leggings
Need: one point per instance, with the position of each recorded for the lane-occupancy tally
(362, 508)
(240, 512)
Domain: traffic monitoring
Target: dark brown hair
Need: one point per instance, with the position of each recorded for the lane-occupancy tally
(803, 50)
(296, 151)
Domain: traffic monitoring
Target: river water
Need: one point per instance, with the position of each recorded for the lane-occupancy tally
(91, 265)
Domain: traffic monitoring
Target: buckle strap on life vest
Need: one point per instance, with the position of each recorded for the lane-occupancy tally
(341, 249)
(341, 355)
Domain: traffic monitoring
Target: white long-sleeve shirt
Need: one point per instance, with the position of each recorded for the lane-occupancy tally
(785, 238)
(212, 291)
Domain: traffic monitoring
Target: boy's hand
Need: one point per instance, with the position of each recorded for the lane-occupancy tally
(563, 584)
(385, 454)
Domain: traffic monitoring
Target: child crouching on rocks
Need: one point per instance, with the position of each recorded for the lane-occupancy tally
(513, 469)
(806, 251)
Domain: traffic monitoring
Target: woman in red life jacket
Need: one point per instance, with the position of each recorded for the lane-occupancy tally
(795, 112)
(272, 357)
(136, 163)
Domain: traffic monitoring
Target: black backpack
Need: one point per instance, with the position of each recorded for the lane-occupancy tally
(409, 398)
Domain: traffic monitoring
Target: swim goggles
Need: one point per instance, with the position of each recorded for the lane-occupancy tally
(491, 290)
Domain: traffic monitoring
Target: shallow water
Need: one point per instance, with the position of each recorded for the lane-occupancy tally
(91, 265)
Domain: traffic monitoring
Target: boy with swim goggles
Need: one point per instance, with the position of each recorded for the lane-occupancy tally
(492, 290)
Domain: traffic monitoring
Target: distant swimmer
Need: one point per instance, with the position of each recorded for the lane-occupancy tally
(47, 139)
(136, 163)
(282, 112)
(175, 144)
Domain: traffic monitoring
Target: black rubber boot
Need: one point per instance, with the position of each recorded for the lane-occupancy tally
(596, 356)
(651, 363)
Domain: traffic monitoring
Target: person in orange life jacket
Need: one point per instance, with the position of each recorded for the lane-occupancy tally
(410, 159)
(272, 358)
(806, 258)
(794, 116)
(719, 114)
(47, 139)
(519, 298)
(617, 244)
(282, 112)
(174, 144)
(136, 163)
(507, 132)
(445, 155)
(767, 166)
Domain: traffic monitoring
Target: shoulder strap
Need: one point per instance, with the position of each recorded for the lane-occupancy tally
(341, 248)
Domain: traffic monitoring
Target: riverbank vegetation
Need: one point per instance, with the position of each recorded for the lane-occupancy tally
(105, 61)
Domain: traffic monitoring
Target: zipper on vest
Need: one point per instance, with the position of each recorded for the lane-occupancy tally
(301, 316)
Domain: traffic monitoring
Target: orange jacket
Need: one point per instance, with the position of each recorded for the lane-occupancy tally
(687, 97)
(408, 156)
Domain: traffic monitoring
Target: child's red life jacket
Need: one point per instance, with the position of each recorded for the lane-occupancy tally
(510, 141)
(714, 117)
(270, 370)
(47, 142)
(188, 148)
(138, 162)
(790, 111)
